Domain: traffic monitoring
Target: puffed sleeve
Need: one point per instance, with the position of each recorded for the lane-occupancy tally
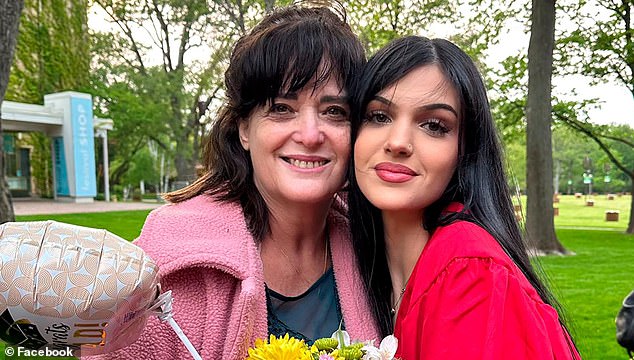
(478, 309)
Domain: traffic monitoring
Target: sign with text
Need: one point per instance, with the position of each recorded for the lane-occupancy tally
(83, 147)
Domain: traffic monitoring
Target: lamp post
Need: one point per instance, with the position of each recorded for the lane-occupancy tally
(606, 178)
(570, 177)
(587, 175)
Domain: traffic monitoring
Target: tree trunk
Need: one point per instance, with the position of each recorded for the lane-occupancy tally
(540, 224)
(9, 21)
(184, 162)
(269, 5)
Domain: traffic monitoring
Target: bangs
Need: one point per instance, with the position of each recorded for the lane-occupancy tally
(288, 58)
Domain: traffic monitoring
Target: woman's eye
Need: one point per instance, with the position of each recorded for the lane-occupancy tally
(336, 112)
(280, 109)
(377, 117)
(434, 127)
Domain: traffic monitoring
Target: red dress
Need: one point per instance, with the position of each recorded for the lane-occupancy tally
(466, 299)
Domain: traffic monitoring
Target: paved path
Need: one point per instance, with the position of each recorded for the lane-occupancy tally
(46, 206)
(590, 228)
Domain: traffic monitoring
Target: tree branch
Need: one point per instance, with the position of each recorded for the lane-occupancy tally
(586, 129)
(158, 142)
(182, 49)
(125, 164)
(626, 142)
(125, 28)
(237, 19)
(166, 46)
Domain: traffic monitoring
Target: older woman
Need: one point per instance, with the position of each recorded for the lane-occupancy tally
(258, 245)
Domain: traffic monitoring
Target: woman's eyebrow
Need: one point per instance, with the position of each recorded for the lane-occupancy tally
(439, 106)
(323, 99)
(381, 99)
(426, 107)
(334, 99)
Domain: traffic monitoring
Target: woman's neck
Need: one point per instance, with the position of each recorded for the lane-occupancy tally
(405, 239)
(294, 253)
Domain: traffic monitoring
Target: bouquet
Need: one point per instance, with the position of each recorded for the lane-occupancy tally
(337, 347)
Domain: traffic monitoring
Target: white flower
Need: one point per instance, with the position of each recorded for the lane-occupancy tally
(386, 350)
(342, 336)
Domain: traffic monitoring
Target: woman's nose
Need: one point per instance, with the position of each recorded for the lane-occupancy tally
(399, 141)
(309, 131)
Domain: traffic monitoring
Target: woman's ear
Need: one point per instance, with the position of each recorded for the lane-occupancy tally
(243, 131)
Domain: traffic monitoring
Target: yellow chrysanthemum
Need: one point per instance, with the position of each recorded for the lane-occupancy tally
(283, 348)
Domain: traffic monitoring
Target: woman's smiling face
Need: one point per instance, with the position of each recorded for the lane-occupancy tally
(300, 144)
(407, 148)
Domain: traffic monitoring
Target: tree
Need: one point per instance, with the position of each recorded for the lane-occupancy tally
(616, 142)
(378, 22)
(601, 46)
(154, 41)
(140, 108)
(9, 22)
(515, 153)
(540, 225)
(52, 54)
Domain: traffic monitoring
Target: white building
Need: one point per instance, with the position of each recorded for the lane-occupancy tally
(67, 118)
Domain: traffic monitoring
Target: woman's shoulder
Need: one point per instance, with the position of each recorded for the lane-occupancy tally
(464, 248)
(198, 232)
(460, 242)
(201, 206)
(463, 238)
(191, 216)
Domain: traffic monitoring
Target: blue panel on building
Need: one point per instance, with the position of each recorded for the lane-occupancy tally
(61, 177)
(84, 147)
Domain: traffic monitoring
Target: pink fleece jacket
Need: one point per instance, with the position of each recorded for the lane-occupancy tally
(210, 261)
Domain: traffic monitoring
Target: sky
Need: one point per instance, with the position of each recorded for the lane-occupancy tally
(615, 102)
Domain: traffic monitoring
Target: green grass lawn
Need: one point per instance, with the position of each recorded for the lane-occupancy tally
(573, 212)
(590, 284)
(126, 224)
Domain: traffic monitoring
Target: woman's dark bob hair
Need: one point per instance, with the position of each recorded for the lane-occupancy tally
(288, 49)
(479, 181)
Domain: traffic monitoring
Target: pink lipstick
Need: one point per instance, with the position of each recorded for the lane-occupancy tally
(394, 173)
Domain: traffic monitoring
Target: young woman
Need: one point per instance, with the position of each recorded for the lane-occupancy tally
(432, 220)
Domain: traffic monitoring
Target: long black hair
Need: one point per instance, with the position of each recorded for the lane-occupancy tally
(479, 181)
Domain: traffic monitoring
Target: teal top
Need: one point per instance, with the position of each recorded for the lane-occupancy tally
(312, 315)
